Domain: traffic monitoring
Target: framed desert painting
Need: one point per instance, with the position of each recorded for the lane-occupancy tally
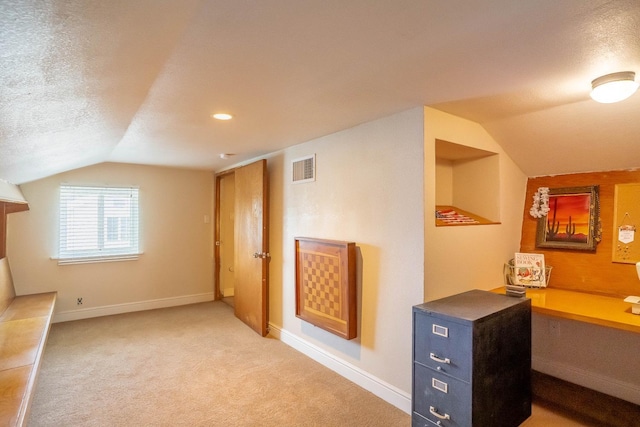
(572, 221)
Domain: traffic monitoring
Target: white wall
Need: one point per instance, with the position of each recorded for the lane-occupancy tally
(461, 258)
(597, 357)
(368, 190)
(176, 266)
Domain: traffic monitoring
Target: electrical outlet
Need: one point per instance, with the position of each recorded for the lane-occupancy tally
(79, 301)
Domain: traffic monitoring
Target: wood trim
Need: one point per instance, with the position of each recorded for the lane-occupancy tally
(583, 404)
(15, 207)
(266, 221)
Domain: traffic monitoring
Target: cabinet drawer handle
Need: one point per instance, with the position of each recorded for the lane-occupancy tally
(437, 359)
(435, 413)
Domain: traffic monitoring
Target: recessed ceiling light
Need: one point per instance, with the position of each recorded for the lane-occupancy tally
(614, 87)
(222, 116)
(226, 155)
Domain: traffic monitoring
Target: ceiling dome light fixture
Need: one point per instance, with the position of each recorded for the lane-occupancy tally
(222, 116)
(614, 87)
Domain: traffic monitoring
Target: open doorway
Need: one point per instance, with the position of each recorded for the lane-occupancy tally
(225, 244)
(242, 243)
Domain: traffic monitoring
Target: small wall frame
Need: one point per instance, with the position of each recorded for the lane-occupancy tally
(326, 285)
(573, 221)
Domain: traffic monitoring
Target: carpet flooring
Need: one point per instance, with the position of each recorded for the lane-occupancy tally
(193, 365)
(197, 365)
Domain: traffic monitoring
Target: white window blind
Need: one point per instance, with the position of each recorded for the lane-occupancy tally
(98, 224)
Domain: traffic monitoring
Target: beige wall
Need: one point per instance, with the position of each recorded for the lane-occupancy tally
(176, 266)
(469, 257)
(368, 190)
(444, 178)
(600, 358)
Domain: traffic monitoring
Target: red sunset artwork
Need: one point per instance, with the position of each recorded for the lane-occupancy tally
(568, 218)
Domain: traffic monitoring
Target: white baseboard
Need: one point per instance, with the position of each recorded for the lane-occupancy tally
(612, 387)
(107, 310)
(383, 390)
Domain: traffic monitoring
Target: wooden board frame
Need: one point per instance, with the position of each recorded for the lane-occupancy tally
(326, 285)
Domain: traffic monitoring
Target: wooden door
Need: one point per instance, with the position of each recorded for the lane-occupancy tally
(252, 246)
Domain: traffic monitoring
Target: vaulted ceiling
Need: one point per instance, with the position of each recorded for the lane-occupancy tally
(135, 81)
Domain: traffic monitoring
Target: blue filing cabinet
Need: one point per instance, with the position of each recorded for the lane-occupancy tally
(472, 361)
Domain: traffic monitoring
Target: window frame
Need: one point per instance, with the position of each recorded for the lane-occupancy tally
(98, 205)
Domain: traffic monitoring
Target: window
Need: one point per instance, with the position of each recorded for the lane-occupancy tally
(98, 224)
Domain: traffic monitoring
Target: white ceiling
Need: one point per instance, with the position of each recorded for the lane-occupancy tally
(135, 81)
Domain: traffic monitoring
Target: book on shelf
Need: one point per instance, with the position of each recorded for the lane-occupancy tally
(529, 270)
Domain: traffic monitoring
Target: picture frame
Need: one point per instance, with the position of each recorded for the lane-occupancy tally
(572, 221)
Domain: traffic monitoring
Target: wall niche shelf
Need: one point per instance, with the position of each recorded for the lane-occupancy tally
(467, 182)
(451, 216)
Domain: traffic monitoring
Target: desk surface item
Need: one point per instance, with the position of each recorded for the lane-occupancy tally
(601, 310)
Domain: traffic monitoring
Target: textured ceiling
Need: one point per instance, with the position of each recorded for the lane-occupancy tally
(135, 81)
